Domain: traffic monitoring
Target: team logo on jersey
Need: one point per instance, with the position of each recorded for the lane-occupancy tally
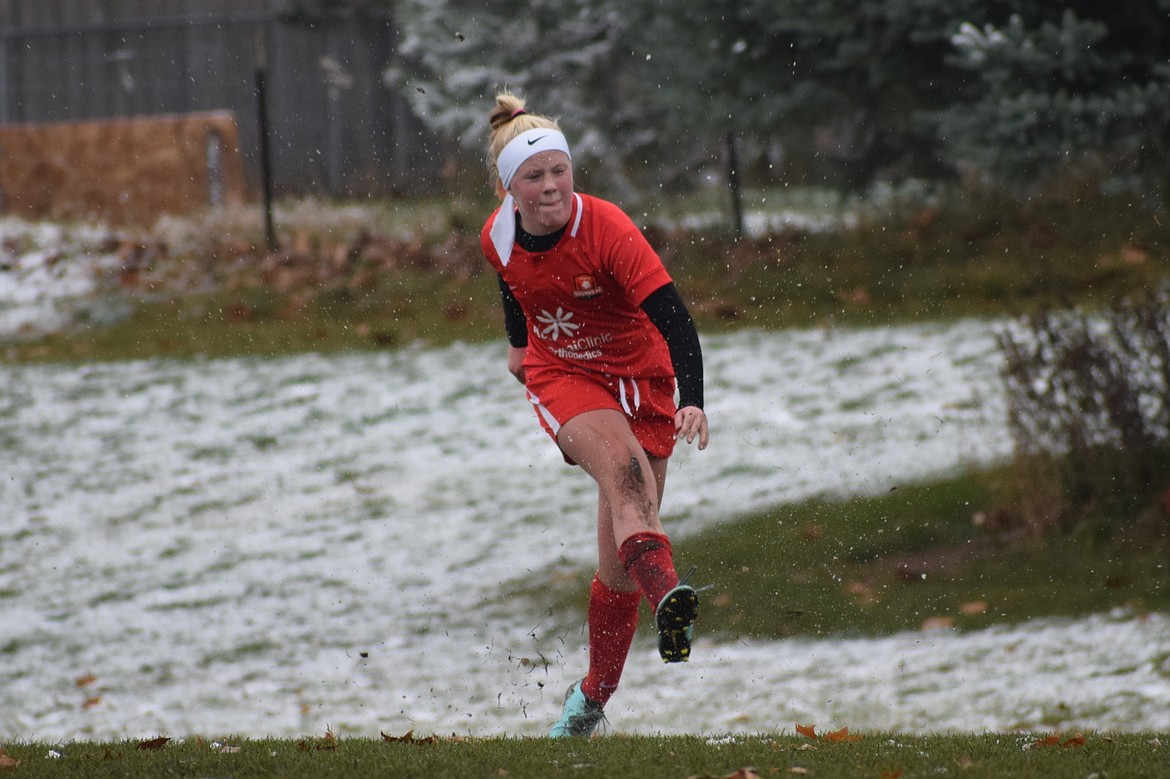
(555, 325)
(585, 286)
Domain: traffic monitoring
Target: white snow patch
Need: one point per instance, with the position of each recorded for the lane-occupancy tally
(271, 546)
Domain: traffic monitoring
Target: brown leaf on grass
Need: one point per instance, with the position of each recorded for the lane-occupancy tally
(328, 742)
(891, 774)
(938, 623)
(835, 737)
(1056, 740)
(85, 681)
(7, 762)
(409, 738)
(840, 736)
(864, 593)
(154, 743)
(89, 703)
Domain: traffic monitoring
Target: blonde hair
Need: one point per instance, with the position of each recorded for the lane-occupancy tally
(507, 119)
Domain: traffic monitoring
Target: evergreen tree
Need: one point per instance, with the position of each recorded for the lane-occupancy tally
(573, 59)
(844, 92)
(1066, 84)
(839, 82)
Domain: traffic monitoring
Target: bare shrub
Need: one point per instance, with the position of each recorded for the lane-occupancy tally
(1089, 412)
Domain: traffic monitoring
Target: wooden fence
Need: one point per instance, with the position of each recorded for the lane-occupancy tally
(335, 126)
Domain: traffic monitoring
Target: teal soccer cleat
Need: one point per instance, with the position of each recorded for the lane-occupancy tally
(580, 717)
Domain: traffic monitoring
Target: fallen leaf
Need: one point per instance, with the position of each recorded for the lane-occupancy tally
(938, 623)
(1133, 255)
(86, 680)
(838, 736)
(7, 762)
(154, 743)
(865, 594)
(328, 742)
(891, 774)
(409, 738)
(91, 702)
(1048, 741)
(1076, 741)
(812, 531)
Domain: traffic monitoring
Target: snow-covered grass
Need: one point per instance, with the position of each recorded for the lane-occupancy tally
(273, 546)
(46, 270)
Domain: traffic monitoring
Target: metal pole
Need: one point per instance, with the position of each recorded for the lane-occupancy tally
(733, 186)
(262, 121)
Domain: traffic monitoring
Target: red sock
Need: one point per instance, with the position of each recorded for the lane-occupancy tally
(613, 617)
(648, 559)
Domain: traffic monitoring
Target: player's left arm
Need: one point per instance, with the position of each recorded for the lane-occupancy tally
(669, 314)
(516, 328)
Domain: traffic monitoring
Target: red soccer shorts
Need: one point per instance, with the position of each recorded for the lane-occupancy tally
(559, 395)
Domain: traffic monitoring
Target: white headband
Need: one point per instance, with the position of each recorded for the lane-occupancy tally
(515, 154)
(525, 145)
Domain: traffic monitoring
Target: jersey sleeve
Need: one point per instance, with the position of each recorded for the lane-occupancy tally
(628, 256)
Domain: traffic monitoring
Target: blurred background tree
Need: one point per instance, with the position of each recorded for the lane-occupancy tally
(1073, 85)
(819, 91)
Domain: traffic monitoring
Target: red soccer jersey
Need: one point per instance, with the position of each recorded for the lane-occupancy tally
(582, 298)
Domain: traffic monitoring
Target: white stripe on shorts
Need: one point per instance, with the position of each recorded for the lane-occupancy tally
(545, 414)
(622, 396)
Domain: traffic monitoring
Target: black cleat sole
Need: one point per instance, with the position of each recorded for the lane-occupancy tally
(676, 614)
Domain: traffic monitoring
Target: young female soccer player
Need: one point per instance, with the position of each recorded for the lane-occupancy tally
(598, 336)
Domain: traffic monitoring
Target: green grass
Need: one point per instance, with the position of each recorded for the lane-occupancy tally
(970, 259)
(399, 311)
(874, 756)
(966, 260)
(899, 561)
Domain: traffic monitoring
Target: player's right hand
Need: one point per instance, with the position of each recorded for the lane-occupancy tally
(516, 361)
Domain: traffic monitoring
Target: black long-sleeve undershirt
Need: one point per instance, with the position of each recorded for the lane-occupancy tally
(669, 314)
